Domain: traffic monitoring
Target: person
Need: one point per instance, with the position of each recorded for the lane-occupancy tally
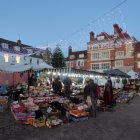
(86, 90)
(67, 86)
(32, 80)
(93, 92)
(108, 94)
(57, 86)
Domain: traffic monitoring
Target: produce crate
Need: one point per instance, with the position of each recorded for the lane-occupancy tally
(52, 123)
(39, 123)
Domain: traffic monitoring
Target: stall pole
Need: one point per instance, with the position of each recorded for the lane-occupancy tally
(13, 79)
(28, 81)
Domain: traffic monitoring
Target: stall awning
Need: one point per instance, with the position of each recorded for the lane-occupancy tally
(116, 72)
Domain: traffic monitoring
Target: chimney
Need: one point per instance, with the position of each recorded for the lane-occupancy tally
(92, 36)
(19, 42)
(69, 50)
(117, 29)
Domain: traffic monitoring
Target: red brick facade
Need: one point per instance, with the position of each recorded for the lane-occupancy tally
(106, 51)
(112, 51)
(77, 59)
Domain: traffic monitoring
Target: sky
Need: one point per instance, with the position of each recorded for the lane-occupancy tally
(46, 23)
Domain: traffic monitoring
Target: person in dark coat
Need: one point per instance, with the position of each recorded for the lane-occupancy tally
(93, 89)
(108, 94)
(32, 80)
(57, 86)
(86, 90)
(67, 86)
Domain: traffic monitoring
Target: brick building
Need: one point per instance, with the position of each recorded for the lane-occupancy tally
(118, 50)
(77, 59)
(111, 51)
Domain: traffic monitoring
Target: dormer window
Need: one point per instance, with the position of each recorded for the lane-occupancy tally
(81, 55)
(72, 56)
(5, 46)
(100, 38)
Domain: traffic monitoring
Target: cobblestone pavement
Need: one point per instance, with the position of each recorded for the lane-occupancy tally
(121, 124)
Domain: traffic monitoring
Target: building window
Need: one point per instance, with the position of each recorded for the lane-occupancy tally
(119, 63)
(138, 64)
(95, 47)
(71, 64)
(120, 54)
(72, 56)
(95, 56)
(138, 55)
(18, 59)
(6, 57)
(129, 50)
(105, 66)
(100, 38)
(30, 60)
(5, 46)
(95, 66)
(81, 55)
(105, 55)
(79, 63)
(37, 61)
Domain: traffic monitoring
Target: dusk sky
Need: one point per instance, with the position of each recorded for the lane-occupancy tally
(43, 23)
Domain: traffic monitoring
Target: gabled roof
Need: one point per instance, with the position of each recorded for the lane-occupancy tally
(12, 43)
(23, 50)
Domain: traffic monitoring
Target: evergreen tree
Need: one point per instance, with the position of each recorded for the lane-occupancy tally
(58, 60)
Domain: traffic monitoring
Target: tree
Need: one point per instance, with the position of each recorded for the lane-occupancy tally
(58, 60)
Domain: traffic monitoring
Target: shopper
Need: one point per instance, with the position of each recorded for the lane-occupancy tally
(67, 86)
(86, 90)
(93, 91)
(57, 85)
(108, 94)
(32, 80)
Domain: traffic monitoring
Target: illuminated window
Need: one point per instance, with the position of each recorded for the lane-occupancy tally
(18, 59)
(6, 57)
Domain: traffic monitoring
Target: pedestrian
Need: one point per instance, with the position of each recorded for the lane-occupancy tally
(108, 94)
(67, 86)
(93, 92)
(32, 80)
(57, 85)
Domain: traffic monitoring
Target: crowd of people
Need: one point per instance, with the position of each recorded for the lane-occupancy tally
(92, 93)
